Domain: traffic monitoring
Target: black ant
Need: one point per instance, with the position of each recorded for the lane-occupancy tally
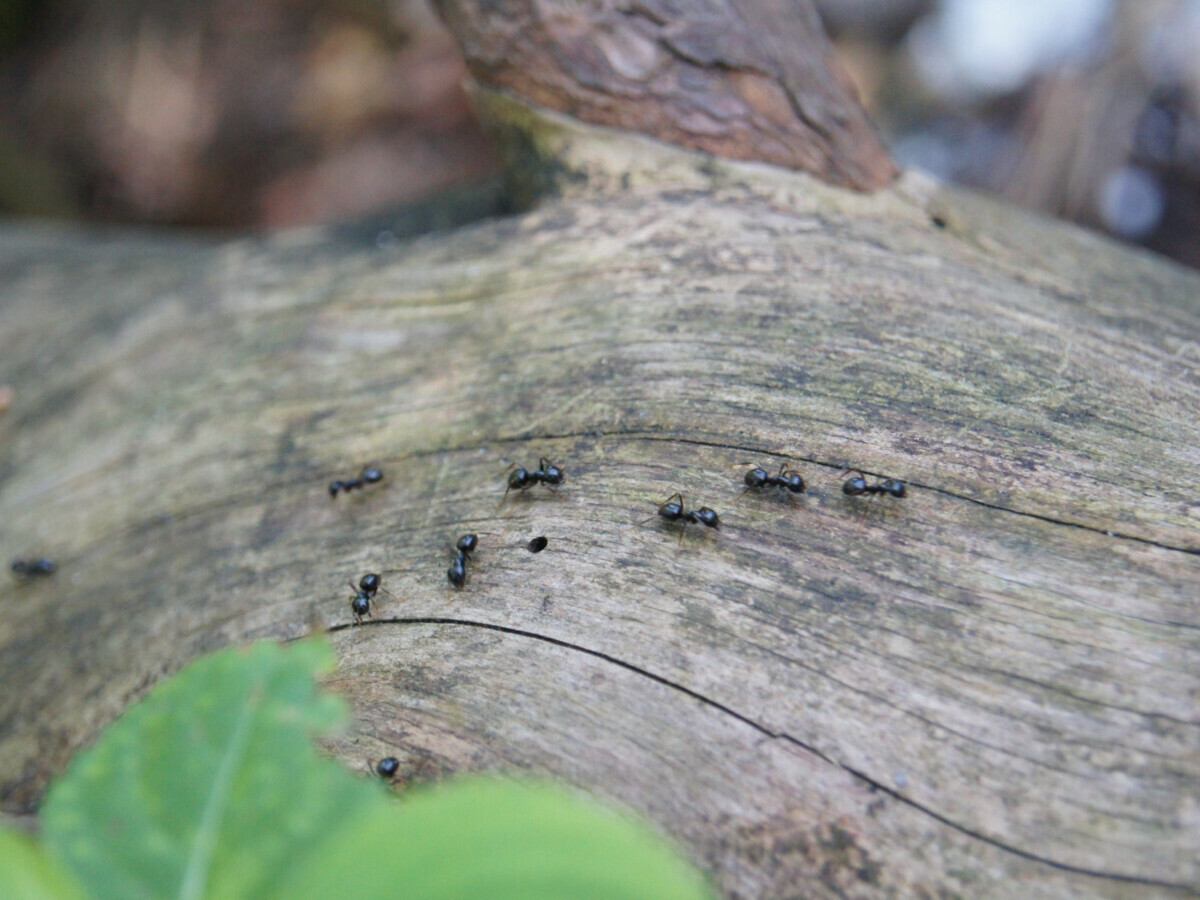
(538, 544)
(857, 485)
(364, 597)
(675, 512)
(37, 568)
(387, 767)
(788, 479)
(369, 475)
(521, 479)
(457, 573)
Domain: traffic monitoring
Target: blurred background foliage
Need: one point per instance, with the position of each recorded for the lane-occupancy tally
(228, 115)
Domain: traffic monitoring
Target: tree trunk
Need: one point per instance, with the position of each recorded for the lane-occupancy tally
(986, 688)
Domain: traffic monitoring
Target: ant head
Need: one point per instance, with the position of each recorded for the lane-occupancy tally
(361, 604)
(334, 487)
(552, 474)
(853, 485)
(795, 482)
(467, 543)
(457, 573)
(671, 510)
(893, 487)
(706, 516)
(756, 478)
(372, 475)
(519, 479)
(387, 767)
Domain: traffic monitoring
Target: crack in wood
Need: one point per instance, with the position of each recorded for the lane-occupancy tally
(156, 521)
(872, 783)
(650, 436)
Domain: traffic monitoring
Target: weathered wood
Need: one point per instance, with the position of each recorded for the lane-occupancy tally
(744, 79)
(989, 688)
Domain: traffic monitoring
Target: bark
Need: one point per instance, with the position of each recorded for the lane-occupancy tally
(743, 79)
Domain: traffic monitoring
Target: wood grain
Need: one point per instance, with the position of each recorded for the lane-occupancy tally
(989, 688)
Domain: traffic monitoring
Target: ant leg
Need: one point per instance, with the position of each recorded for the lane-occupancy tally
(656, 514)
(389, 593)
(511, 466)
(505, 497)
(735, 465)
(660, 506)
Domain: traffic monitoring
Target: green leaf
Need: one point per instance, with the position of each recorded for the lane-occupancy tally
(26, 873)
(494, 840)
(211, 786)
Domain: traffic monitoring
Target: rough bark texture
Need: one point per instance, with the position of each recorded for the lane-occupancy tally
(744, 79)
(988, 688)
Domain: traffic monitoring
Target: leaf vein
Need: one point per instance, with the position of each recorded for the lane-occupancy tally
(204, 845)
